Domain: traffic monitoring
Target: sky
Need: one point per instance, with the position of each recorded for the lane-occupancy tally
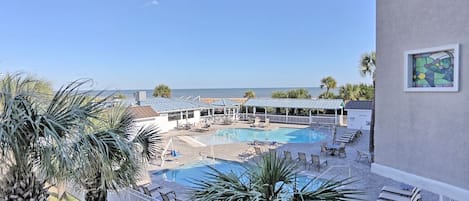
(137, 44)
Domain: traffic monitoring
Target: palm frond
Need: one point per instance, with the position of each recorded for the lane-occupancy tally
(148, 139)
(217, 185)
(329, 190)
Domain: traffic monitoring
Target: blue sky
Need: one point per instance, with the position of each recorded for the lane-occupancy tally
(137, 44)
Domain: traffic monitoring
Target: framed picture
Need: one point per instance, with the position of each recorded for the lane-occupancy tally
(432, 69)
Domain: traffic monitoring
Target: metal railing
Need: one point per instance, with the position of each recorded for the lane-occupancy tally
(320, 120)
(129, 194)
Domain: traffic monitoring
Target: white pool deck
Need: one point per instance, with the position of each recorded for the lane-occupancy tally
(191, 151)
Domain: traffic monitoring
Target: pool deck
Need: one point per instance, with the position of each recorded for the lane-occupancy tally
(192, 151)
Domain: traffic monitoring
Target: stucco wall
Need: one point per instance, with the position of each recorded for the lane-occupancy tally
(358, 119)
(422, 133)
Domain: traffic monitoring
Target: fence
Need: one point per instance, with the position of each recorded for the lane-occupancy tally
(320, 120)
(129, 194)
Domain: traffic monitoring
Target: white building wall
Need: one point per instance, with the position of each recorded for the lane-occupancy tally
(358, 119)
(164, 125)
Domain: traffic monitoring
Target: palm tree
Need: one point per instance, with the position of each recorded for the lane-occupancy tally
(298, 93)
(279, 94)
(368, 67)
(271, 178)
(162, 91)
(116, 155)
(66, 137)
(249, 94)
(328, 82)
(327, 95)
(367, 91)
(33, 133)
(349, 92)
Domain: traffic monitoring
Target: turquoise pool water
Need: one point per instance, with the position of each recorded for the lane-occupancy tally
(284, 135)
(184, 174)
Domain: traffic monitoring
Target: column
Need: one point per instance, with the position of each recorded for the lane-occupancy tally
(246, 117)
(265, 113)
(254, 111)
(310, 118)
(286, 115)
(335, 116)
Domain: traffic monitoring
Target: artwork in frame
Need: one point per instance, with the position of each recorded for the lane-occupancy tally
(432, 69)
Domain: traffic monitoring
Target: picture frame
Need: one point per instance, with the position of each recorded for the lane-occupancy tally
(433, 69)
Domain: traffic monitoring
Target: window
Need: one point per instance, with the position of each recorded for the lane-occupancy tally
(173, 116)
(432, 69)
(190, 114)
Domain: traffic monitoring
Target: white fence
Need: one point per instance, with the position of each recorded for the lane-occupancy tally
(320, 120)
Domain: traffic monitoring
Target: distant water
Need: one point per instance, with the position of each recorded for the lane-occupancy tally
(221, 93)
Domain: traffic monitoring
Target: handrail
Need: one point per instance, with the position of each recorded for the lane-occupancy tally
(164, 151)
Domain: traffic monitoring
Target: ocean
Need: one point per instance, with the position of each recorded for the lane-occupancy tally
(220, 92)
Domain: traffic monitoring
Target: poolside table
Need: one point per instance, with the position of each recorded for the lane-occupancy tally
(333, 148)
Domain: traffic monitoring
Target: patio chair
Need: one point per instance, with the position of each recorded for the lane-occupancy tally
(361, 154)
(302, 158)
(168, 196)
(287, 155)
(148, 190)
(317, 163)
(400, 192)
(324, 148)
(341, 151)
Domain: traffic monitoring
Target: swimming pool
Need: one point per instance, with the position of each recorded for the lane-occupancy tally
(185, 174)
(284, 135)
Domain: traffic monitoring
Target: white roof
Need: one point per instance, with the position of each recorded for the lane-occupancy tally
(166, 105)
(330, 104)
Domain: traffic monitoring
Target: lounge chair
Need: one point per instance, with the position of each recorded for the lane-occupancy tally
(400, 192)
(287, 155)
(198, 128)
(395, 197)
(266, 123)
(317, 163)
(302, 158)
(256, 122)
(258, 150)
(362, 154)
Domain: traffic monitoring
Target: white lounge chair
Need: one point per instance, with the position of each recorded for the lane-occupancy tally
(384, 195)
(400, 192)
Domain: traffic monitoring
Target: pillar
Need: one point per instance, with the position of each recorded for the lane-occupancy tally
(335, 116)
(286, 115)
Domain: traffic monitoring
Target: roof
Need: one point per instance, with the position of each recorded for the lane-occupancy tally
(166, 105)
(225, 103)
(143, 112)
(296, 103)
(359, 105)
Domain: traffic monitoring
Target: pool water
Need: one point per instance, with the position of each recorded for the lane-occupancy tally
(283, 135)
(186, 173)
